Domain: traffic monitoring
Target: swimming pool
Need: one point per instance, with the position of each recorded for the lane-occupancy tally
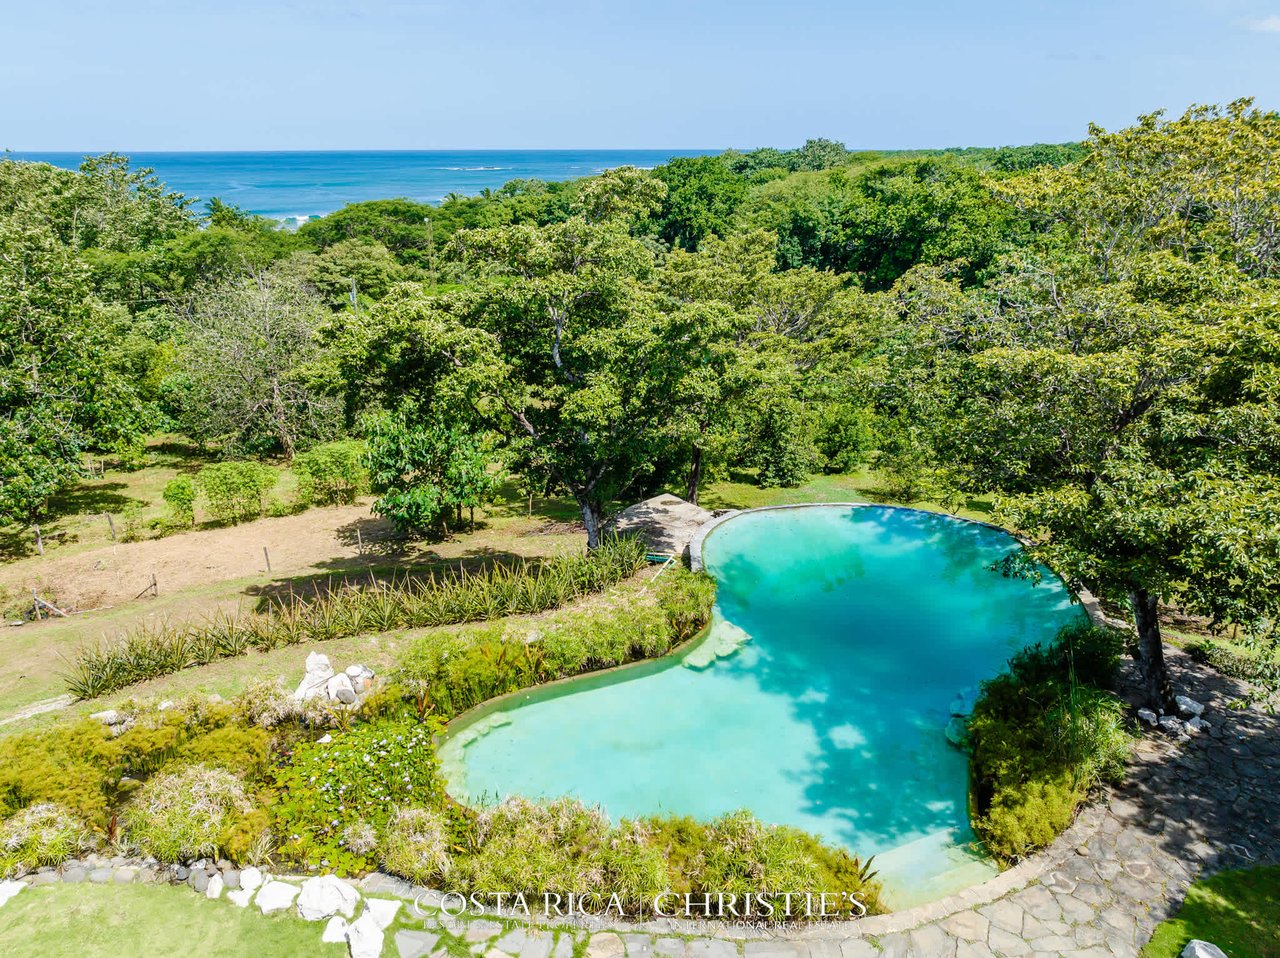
(819, 697)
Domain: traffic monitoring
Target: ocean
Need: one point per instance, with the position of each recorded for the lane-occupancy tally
(294, 186)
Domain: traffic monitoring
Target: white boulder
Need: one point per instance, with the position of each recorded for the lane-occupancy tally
(1198, 724)
(340, 689)
(381, 910)
(326, 896)
(319, 672)
(1148, 716)
(215, 886)
(1171, 723)
(364, 937)
(1188, 706)
(1202, 949)
(250, 878)
(240, 896)
(335, 932)
(10, 888)
(276, 896)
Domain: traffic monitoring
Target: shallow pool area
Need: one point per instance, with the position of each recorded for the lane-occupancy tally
(819, 697)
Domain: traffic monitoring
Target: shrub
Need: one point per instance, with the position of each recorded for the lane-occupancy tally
(234, 491)
(1042, 735)
(154, 650)
(845, 436)
(553, 847)
(73, 766)
(44, 834)
(331, 474)
(358, 777)
(186, 814)
(1024, 815)
(452, 672)
(415, 845)
(180, 495)
(739, 855)
(560, 847)
(246, 750)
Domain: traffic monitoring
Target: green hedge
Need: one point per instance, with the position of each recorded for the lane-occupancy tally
(451, 672)
(1042, 735)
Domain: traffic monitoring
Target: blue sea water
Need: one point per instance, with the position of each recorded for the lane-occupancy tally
(292, 186)
(820, 698)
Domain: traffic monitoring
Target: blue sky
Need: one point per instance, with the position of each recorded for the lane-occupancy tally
(395, 74)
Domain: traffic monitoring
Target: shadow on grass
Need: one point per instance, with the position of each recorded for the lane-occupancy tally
(375, 570)
(1234, 909)
(86, 499)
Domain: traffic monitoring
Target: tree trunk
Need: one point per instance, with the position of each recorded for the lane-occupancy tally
(592, 519)
(695, 476)
(1155, 678)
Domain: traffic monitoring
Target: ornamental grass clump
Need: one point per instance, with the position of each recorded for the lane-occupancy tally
(186, 814)
(44, 834)
(416, 845)
(1043, 734)
(738, 854)
(560, 847)
(155, 650)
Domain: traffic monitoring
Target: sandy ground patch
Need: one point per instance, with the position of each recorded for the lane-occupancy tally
(119, 572)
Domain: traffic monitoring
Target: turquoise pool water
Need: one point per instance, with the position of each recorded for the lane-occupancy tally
(818, 698)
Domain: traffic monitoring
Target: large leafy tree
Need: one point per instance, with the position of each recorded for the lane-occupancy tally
(562, 349)
(703, 194)
(60, 393)
(1118, 387)
(250, 353)
(426, 471)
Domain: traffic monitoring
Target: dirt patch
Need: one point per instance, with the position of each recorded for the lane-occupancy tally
(121, 572)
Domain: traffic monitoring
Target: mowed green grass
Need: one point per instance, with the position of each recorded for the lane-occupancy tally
(739, 491)
(1239, 911)
(126, 921)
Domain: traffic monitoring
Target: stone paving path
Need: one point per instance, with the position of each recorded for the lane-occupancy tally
(1122, 868)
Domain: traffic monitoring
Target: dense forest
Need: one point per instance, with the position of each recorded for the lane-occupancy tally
(1090, 332)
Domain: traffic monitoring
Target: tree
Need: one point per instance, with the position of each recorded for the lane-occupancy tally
(425, 471)
(702, 196)
(1127, 437)
(624, 193)
(60, 394)
(1205, 183)
(248, 345)
(564, 352)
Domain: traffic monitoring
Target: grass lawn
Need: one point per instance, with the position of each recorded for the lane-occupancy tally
(739, 491)
(1239, 911)
(124, 921)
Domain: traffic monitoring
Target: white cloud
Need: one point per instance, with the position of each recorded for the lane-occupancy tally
(1269, 24)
